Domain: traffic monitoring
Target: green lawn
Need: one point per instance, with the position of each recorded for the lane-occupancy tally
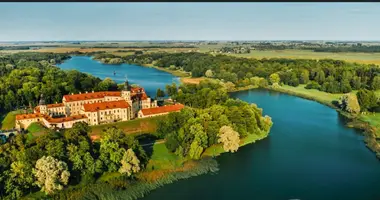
(8, 120)
(178, 73)
(163, 159)
(313, 93)
(143, 125)
(373, 120)
(37, 129)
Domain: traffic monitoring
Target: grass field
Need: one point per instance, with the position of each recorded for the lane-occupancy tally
(107, 50)
(143, 125)
(178, 73)
(8, 120)
(163, 159)
(318, 95)
(364, 58)
(374, 121)
(37, 129)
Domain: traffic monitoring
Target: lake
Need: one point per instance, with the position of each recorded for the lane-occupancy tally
(309, 155)
(149, 78)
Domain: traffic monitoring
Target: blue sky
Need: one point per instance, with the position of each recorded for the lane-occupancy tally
(189, 21)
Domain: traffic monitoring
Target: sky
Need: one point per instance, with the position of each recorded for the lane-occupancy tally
(189, 21)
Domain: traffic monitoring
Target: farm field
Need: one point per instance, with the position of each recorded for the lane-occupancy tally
(364, 58)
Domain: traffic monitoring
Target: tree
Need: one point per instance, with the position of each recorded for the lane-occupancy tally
(313, 85)
(209, 73)
(51, 174)
(320, 77)
(106, 85)
(171, 89)
(229, 86)
(376, 83)
(200, 141)
(304, 77)
(160, 93)
(229, 138)
(349, 103)
(129, 163)
(356, 83)
(274, 78)
(367, 99)
(345, 86)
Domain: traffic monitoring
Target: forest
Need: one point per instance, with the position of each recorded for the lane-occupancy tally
(352, 48)
(52, 161)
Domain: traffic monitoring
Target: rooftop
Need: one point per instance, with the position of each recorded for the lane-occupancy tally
(162, 109)
(105, 105)
(28, 116)
(64, 119)
(92, 95)
(55, 105)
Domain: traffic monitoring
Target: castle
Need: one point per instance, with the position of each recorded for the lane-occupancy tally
(95, 108)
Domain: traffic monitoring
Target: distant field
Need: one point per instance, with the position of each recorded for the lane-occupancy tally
(364, 58)
(108, 50)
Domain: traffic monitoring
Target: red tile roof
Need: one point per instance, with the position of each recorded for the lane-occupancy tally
(64, 119)
(137, 89)
(92, 95)
(55, 105)
(28, 116)
(92, 107)
(50, 119)
(162, 109)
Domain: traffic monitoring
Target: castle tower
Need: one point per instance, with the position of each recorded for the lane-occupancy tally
(42, 105)
(126, 92)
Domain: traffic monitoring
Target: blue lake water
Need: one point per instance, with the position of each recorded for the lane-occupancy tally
(149, 78)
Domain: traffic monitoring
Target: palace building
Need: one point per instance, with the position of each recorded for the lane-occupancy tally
(95, 108)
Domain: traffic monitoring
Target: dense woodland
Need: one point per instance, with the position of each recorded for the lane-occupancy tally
(25, 76)
(211, 118)
(52, 161)
(352, 48)
(332, 76)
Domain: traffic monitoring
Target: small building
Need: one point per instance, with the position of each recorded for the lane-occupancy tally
(163, 110)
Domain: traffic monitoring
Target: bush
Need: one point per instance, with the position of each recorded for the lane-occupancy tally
(313, 85)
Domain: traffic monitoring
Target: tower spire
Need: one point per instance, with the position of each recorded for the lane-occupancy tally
(126, 84)
(42, 100)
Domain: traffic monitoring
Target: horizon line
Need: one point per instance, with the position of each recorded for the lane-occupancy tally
(199, 40)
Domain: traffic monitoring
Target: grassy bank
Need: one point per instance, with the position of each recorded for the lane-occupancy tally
(140, 125)
(8, 120)
(178, 73)
(217, 149)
